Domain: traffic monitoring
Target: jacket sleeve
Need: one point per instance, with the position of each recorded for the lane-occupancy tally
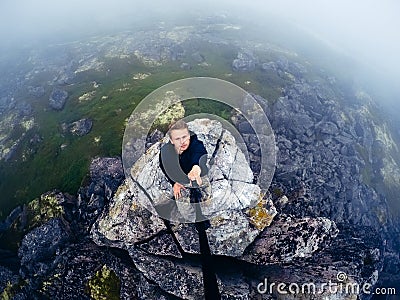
(163, 169)
(199, 157)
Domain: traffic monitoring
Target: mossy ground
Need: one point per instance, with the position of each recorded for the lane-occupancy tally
(61, 160)
(104, 285)
(30, 173)
(37, 212)
(11, 289)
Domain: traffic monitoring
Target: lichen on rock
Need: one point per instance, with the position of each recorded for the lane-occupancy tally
(104, 285)
(44, 208)
(262, 214)
(126, 222)
(289, 238)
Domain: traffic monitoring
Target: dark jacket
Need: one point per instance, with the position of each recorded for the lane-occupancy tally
(176, 166)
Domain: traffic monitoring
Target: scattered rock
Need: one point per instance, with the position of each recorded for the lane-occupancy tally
(106, 175)
(79, 128)
(289, 238)
(245, 61)
(41, 245)
(177, 278)
(328, 128)
(328, 164)
(198, 57)
(57, 99)
(126, 222)
(185, 66)
(36, 91)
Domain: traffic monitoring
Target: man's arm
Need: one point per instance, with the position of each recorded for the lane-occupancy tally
(198, 160)
(176, 186)
(163, 169)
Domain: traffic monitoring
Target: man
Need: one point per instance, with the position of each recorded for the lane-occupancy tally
(183, 159)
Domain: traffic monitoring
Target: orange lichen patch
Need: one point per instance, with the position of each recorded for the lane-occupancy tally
(259, 216)
(134, 206)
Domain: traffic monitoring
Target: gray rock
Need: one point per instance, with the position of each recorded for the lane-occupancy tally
(161, 244)
(7, 277)
(198, 57)
(245, 61)
(178, 278)
(185, 66)
(79, 128)
(40, 245)
(344, 139)
(283, 67)
(126, 222)
(76, 265)
(106, 175)
(288, 238)
(36, 91)
(187, 237)
(269, 66)
(233, 288)
(328, 128)
(230, 175)
(153, 138)
(102, 169)
(230, 233)
(57, 99)
(148, 290)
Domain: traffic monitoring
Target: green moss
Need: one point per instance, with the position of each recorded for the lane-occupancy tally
(36, 213)
(8, 292)
(169, 116)
(367, 171)
(11, 289)
(277, 192)
(116, 95)
(104, 285)
(47, 284)
(195, 106)
(42, 209)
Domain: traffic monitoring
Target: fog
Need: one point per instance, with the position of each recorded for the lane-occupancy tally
(366, 30)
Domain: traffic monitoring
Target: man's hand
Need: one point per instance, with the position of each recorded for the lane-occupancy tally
(177, 190)
(194, 174)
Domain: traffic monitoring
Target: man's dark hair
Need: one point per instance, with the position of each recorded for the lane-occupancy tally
(180, 124)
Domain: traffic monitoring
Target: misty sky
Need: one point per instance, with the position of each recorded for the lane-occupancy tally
(365, 29)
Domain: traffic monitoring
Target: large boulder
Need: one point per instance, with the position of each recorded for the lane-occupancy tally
(79, 128)
(229, 173)
(57, 99)
(178, 278)
(41, 245)
(289, 238)
(245, 61)
(105, 176)
(132, 217)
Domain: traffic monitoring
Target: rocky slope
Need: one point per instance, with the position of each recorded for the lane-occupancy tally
(159, 259)
(329, 210)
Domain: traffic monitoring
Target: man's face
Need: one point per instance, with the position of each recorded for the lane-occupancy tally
(180, 138)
